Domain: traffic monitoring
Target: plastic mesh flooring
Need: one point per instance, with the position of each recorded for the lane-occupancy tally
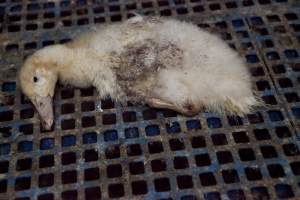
(141, 153)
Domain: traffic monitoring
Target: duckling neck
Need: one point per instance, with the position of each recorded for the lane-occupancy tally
(70, 69)
(80, 68)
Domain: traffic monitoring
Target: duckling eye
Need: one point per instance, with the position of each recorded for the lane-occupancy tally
(35, 79)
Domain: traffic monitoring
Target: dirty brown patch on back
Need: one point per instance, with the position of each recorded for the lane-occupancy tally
(137, 67)
(171, 55)
(138, 60)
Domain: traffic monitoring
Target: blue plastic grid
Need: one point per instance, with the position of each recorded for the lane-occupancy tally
(142, 153)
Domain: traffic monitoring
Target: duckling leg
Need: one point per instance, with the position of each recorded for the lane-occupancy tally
(188, 109)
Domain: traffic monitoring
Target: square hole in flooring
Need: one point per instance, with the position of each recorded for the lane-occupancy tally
(116, 190)
(162, 184)
(139, 187)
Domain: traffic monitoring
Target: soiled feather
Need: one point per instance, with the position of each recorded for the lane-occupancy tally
(139, 64)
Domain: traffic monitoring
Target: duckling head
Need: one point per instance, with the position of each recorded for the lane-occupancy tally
(37, 78)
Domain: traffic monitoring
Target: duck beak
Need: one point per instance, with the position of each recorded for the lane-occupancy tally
(45, 110)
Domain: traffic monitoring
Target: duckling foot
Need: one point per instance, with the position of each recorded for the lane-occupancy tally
(188, 109)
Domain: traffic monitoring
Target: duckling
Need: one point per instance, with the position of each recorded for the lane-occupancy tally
(165, 63)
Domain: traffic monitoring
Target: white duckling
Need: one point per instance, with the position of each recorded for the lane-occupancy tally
(164, 63)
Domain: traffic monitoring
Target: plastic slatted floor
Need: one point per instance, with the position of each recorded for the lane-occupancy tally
(142, 153)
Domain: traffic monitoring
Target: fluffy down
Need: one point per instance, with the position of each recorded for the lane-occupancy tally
(165, 63)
